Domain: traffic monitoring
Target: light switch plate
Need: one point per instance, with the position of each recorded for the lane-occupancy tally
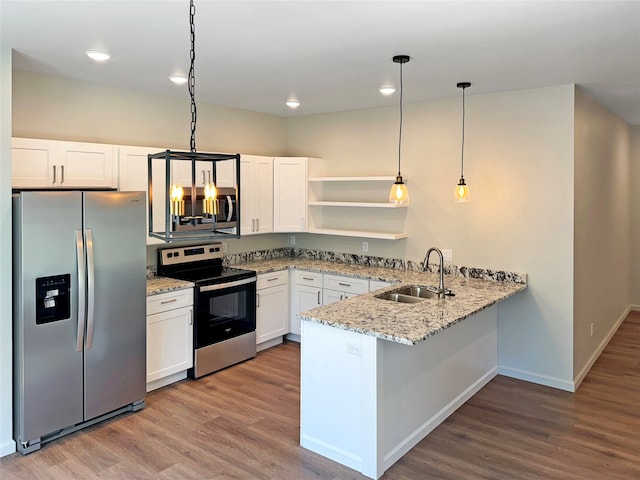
(447, 254)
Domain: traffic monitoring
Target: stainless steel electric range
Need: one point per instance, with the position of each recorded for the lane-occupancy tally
(224, 305)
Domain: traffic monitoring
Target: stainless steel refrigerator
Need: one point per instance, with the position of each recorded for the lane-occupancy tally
(79, 307)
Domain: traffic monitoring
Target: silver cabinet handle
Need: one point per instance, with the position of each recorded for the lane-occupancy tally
(341, 297)
(307, 278)
(168, 301)
(272, 279)
(204, 180)
(82, 289)
(190, 317)
(54, 174)
(344, 284)
(257, 300)
(318, 297)
(91, 294)
(257, 224)
(61, 173)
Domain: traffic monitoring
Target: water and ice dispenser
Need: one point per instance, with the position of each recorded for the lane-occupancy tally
(53, 298)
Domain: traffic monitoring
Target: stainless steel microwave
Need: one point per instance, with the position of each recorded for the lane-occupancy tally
(227, 216)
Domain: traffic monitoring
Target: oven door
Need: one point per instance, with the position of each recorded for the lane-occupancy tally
(224, 311)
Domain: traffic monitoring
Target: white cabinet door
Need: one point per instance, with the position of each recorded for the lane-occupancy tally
(32, 163)
(56, 164)
(290, 194)
(169, 343)
(331, 296)
(133, 168)
(256, 194)
(88, 165)
(181, 173)
(303, 298)
(226, 174)
(271, 312)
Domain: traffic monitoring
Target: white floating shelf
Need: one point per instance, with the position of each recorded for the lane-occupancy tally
(355, 179)
(357, 204)
(358, 233)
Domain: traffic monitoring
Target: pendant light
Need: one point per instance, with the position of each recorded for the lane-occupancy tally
(184, 219)
(399, 194)
(461, 192)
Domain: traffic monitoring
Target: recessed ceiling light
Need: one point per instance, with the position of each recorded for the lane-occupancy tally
(293, 103)
(97, 55)
(178, 79)
(386, 90)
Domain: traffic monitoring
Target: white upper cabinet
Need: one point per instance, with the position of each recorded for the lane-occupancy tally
(133, 163)
(256, 194)
(58, 164)
(290, 194)
(225, 173)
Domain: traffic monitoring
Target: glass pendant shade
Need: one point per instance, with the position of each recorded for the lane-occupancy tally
(461, 193)
(399, 193)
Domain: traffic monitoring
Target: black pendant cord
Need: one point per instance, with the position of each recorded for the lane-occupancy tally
(462, 159)
(192, 79)
(400, 134)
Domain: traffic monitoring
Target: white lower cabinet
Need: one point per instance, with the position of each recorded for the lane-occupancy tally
(169, 337)
(337, 288)
(306, 293)
(272, 308)
(378, 284)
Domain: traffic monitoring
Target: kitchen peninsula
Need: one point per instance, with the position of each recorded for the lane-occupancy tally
(377, 376)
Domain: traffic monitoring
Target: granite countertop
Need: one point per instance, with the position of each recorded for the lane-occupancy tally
(404, 323)
(157, 285)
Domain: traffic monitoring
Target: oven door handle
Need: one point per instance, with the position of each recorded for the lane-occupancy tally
(222, 286)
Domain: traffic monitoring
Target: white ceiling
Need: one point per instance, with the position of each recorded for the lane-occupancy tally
(333, 55)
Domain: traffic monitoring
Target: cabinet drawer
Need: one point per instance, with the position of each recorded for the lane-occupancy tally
(163, 302)
(345, 284)
(311, 279)
(272, 279)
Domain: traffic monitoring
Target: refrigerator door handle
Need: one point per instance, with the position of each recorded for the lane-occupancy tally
(82, 290)
(90, 290)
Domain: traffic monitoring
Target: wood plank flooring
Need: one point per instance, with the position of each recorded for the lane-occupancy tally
(243, 423)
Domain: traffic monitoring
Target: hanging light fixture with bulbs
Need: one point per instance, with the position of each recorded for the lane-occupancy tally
(189, 219)
(462, 190)
(399, 194)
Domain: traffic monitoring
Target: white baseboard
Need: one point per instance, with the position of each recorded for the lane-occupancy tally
(7, 448)
(533, 377)
(427, 427)
(269, 343)
(634, 308)
(585, 369)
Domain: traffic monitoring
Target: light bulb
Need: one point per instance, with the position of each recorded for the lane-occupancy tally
(210, 191)
(177, 193)
(399, 193)
(462, 192)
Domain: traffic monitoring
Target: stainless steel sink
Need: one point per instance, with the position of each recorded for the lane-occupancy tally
(400, 298)
(409, 294)
(419, 291)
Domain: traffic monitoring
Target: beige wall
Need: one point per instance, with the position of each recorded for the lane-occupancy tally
(602, 229)
(58, 108)
(519, 166)
(635, 216)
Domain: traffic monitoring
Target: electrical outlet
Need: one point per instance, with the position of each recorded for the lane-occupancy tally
(292, 239)
(365, 246)
(592, 329)
(447, 254)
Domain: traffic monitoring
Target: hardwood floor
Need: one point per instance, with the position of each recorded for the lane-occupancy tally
(243, 423)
